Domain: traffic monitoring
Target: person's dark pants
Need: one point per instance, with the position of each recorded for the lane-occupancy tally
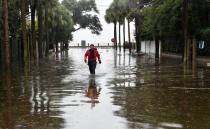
(92, 66)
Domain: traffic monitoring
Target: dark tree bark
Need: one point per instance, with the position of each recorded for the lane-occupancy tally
(33, 31)
(115, 35)
(194, 50)
(185, 31)
(157, 48)
(138, 43)
(6, 34)
(119, 36)
(124, 33)
(23, 27)
(40, 29)
(129, 36)
(47, 30)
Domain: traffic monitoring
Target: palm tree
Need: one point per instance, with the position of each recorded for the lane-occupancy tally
(129, 35)
(185, 30)
(110, 17)
(48, 4)
(119, 22)
(23, 27)
(124, 33)
(33, 31)
(6, 33)
(40, 29)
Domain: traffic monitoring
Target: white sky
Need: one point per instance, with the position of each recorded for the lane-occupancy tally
(106, 34)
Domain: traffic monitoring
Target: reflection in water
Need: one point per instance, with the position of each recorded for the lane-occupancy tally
(137, 93)
(25, 99)
(39, 97)
(7, 113)
(169, 95)
(93, 91)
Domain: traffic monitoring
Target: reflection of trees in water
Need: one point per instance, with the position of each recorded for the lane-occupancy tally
(155, 101)
(30, 96)
(7, 114)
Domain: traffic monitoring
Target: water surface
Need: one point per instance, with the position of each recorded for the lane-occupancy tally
(127, 92)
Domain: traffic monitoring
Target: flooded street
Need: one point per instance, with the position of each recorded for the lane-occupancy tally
(126, 93)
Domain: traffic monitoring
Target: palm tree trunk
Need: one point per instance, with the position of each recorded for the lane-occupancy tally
(40, 29)
(194, 50)
(6, 33)
(33, 31)
(124, 33)
(185, 30)
(47, 30)
(23, 27)
(129, 36)
(157, 48)
(137, 35)
(119, 36)
(115, 35)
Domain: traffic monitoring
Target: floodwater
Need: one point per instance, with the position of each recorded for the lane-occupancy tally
(127, 92)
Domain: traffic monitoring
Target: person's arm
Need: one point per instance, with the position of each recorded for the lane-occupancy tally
(98, 56)
(86, 56)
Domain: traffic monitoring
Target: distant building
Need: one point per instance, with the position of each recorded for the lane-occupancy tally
(83, 43)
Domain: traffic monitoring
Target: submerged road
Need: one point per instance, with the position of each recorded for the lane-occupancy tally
(126, 93)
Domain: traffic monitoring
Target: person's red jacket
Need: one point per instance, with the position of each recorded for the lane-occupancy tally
(96, 55)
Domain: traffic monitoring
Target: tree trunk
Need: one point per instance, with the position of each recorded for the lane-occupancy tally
(119, 36)
(23, 27)
(40, 29)
(53, 40)
(138, 45)
(185, 31)
(194, 50)
(189, 55)
(6, 33)
(157, 48)
(33, 31)
(115, 35)
(129, 36)
(124, 33)
(47, 30)
(56, 47)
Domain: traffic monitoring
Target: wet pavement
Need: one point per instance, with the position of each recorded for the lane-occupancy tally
(126, 93)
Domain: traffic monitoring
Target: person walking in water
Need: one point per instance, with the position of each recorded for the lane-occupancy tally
(92, 55)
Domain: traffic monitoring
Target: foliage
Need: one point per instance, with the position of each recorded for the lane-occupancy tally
(163, 18)
(84, 14)
(62, 22)
(58, 20)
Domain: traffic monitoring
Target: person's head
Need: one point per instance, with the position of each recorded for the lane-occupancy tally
(91, 46)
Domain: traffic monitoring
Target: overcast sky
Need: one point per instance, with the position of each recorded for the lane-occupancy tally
(106, 34)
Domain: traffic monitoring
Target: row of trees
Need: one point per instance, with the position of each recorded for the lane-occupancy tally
(30, 28)
(183, 21)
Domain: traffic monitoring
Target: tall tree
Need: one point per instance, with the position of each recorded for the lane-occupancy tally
(129, 35)
(46, 27)
(84, 15)
(33, 29)
(23, 29)
(40, 28)
(124, 33)
(137, 34)
(119, 34)
(6, 33)
(111, 17)
(185, 31)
